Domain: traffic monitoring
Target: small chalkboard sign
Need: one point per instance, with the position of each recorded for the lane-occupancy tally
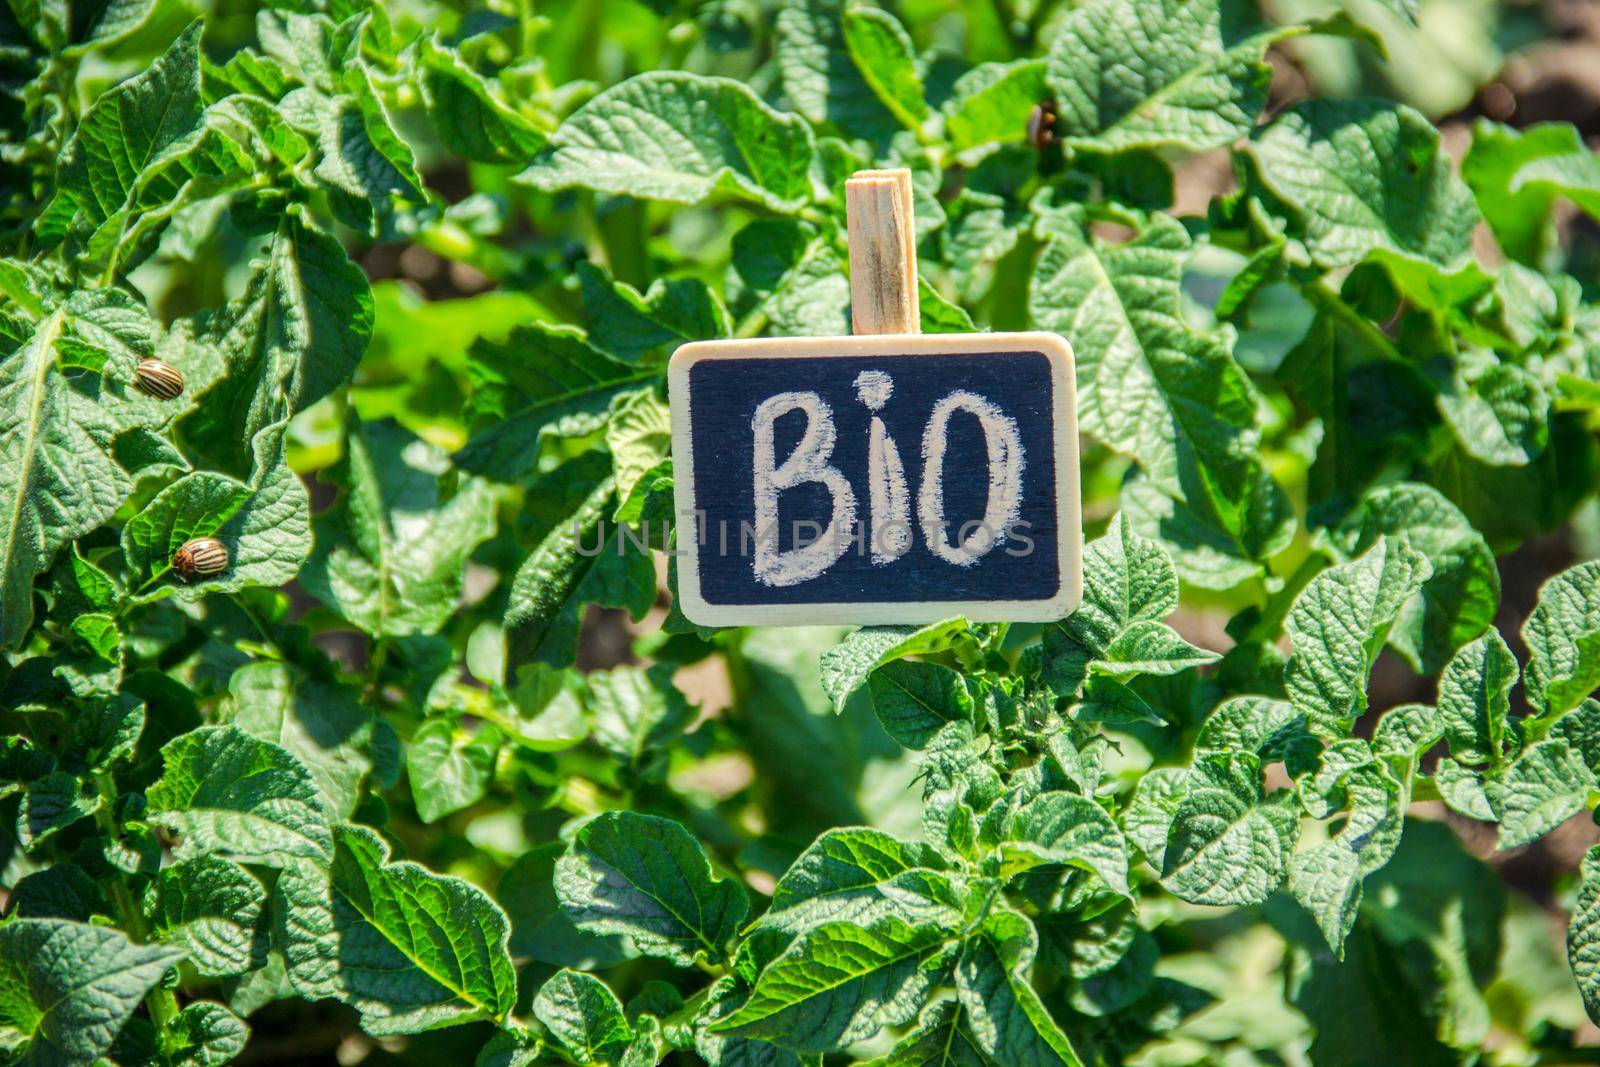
(887, 477)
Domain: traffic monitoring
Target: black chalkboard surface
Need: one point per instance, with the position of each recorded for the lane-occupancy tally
(876, 479)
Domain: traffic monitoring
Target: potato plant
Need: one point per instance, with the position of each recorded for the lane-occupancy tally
(333, 338)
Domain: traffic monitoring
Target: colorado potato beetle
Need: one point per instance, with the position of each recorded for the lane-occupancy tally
(1042, 125)
(158, 378)
(201, 557)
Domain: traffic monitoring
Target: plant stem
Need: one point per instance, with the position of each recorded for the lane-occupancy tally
(375, 665)
(1278, 605)
(1325, 299)
(259, 623)
(449, 240)
(752, 325)
(161, 1003)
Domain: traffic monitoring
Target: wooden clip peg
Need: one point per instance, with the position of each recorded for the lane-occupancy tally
(883, 252)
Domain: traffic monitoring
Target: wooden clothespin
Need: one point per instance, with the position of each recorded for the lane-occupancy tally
(883, 252)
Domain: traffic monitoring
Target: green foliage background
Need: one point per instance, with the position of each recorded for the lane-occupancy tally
(415, 780)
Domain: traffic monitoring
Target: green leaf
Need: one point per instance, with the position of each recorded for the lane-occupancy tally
(538, 380)
(1466, 791)
(105, 730)
(638, 714)
(469, 113)
(363, 164)
(935, 314)
(125, 129)
(820, 79)
(1320, 785)
(392, 554)
(882, 52)
(842, 982)
(219, 151)
(223, 792)
(67, 988)
(324, 726)
(1126, 579)
(550, 575)
(312, 45)
(639, 438)
(1338, 625)
(1580, 728)
(80, 588)
(1211, 547)
(1366, 176)
(293, 337)
(1517, 175)
(1228, 846)
(1408, 988)
(630, 324)
(1152, 386)
(1583, 934)
(983, 229)
(1459, 598)
(1563, 638)
(914, 699)
(583, 1014)
(1110, 960)
(1544, 787)
(1180, 73)
(850, 873)
(1147, 820)
(409, 949)
(206, 1034)
(1499, 413)
(108, 331)
(449, 769)
(210, 908)
(57, 479)
(1326, 879)
(540, 929)
(1265, 728)
(549, 709)
(269, 538)
(682, 138)
(990, 103)
(1525, 312)
(1129, 586)
(1475, 699)
(105, 23)
(1150, 647)
(1408, 731)
(1008, 1020)
(723, 998)
(21, 761)
(938, 1040)
(847, 665)
(196, 505)
(62, 891)
(511, 1048)
(646, 878)
(799, 279)
(1059, 827)
(51, 804)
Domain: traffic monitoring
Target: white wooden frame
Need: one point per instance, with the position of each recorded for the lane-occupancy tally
(1069, 514)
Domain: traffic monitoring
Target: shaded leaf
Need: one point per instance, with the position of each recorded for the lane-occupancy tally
(409, 949)
(70, 987)
(644, 877)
